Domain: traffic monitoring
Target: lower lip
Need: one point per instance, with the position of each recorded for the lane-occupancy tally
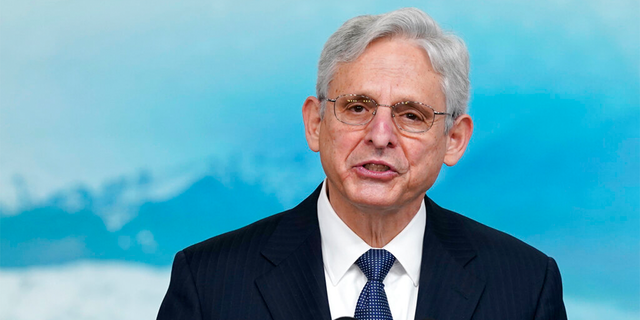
(379, 175)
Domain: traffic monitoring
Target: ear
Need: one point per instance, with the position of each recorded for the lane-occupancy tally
(458, 139)
(312, 120)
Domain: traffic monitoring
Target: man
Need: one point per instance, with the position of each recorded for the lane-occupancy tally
(390, 109)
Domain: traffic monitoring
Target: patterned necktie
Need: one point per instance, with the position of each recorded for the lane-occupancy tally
(373, 303)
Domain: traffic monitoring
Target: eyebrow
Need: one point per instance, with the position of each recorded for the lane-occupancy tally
(404, 99)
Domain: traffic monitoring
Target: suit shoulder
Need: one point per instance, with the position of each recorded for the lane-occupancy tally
(248, 239)
(244, 246)
(489, 238)
(494, 242)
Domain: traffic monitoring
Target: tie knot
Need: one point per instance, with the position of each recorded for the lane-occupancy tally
(376, 263)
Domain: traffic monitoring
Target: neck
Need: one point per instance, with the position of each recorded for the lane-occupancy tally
(376, 226)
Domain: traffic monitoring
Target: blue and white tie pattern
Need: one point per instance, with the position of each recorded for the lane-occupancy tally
(373, 303)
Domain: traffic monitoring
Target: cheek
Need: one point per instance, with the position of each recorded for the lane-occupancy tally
(420, 158)
(332, 149)
(339, 150)
(340, 143)
(425, 156)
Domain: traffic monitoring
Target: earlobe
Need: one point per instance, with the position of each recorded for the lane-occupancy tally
(312, 120)
(458, 139)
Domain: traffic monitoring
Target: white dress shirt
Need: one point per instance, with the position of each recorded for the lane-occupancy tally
(341, 247)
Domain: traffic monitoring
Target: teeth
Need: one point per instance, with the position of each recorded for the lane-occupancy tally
(376, 167)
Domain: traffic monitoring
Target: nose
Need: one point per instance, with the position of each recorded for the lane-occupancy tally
(382, 130)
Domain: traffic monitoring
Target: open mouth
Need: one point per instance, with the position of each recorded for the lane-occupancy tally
(376, 167)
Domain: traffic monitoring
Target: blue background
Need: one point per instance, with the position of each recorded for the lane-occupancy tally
(131, 129)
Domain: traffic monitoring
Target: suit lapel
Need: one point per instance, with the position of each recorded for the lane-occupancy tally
(447, 290)
(295, 288)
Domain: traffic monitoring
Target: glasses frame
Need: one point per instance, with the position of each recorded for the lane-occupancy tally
(393, 115)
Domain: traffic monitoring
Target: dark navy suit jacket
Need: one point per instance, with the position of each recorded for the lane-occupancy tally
(273, 269)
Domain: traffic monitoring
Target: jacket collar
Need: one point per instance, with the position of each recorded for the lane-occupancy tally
(447, 289)
(296, 289)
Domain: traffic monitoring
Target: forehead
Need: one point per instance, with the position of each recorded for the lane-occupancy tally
(390, 70)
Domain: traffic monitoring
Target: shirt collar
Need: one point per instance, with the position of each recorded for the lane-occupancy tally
(341, 247)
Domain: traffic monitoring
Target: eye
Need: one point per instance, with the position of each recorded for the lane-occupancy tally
(356, 108)
(411, 115)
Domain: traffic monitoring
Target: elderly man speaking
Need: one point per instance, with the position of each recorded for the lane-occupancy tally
(391, 104)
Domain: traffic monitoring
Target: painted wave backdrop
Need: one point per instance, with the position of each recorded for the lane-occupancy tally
(131, 129)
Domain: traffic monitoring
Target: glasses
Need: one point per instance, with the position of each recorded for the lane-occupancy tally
(409, 116)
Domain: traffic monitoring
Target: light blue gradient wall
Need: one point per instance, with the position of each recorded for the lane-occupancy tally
(124, 121)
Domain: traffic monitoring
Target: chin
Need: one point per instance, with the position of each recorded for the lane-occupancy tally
(371, 197)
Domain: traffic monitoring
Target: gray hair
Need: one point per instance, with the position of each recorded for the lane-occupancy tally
(448, 54)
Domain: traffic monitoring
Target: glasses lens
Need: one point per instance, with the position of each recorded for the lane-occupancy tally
(354, 110)
(413, 117)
